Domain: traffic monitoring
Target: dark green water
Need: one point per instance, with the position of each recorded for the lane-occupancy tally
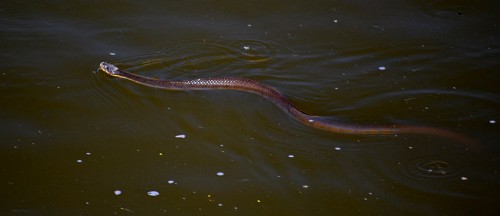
(74, 141)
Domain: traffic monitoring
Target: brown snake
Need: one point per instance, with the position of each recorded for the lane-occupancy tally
(252, 86)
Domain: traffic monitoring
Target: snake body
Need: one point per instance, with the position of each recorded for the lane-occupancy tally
(268, 92)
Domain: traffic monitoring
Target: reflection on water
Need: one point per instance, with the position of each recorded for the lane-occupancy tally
(75, 140)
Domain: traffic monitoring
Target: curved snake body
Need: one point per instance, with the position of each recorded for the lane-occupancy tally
(252, 86)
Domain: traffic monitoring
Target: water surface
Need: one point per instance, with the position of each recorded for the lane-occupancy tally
(75, 141)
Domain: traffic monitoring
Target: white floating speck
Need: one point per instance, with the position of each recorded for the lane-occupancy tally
(153, 193)
(335, 21)
(249, 25)
(246, 47)
(305, 186)
(220, 204)
(492, 121)
(180, 136)
(310, 120)
(88, 153)
(112, 53)
(291, 156)
(337, 148)
(79, 161)
(118, 192)
(463, 178)
(220, 173)
(381, 68)
(410, 147)
(171, 181)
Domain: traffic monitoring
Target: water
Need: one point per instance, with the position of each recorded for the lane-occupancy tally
(78, 142)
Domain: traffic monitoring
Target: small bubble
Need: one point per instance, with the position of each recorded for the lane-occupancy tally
(180, 136)
(492, 121)
(220, 173)
(79, 161)
(305, 186)
(463, 178)
(246, 47)
(171, 181)
(112, 53)
(153, 193)
(118, 192)
(381, 68)
(291, 156)
(337, 148)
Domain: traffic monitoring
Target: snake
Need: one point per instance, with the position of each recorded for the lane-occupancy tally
(276, 97)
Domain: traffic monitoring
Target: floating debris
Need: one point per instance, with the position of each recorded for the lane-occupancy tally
(127, 210)
(153, 193)
(180, 136)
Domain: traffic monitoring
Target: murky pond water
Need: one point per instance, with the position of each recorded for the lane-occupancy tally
(75, 141)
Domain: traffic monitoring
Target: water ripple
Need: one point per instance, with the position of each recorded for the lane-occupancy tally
(200, 57)
(433, 166)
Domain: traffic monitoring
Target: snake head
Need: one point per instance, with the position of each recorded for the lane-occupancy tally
(108, 68)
